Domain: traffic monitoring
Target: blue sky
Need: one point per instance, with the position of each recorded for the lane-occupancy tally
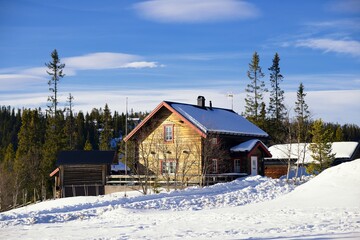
(149, 51)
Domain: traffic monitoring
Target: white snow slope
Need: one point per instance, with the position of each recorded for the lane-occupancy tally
(326, 207)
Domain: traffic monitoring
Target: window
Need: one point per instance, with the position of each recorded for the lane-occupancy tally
(214, 141)
(168, 167)
(214, 166)
(237, 165)
(168, 133)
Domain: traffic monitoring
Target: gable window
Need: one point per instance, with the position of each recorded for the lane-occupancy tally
(168, 167)
(168, 133)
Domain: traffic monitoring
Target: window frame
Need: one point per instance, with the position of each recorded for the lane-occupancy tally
(170, 169)
(168, 126)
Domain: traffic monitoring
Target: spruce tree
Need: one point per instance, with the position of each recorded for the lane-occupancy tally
(339, 136)
(302, 115)
(69, 124)
(88, 146)
(106, 133)
(28, 159)
(80, 132)
(320, 147)
(255, 90)
(276, 109)
(56, 73)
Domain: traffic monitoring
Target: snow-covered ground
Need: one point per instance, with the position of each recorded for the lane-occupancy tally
(325, 207)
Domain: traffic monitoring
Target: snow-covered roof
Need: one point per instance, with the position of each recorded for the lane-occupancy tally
(217, 120)
(298, 151)
(246, 146)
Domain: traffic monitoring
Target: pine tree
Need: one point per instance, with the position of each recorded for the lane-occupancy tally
(56, 73)
(276, 109)
(302, 115)
(88, 146)
(320, 147)
(9, 157)
(55, 141)
(339, 136)
(80, 132)
(106, 133)
(7, 178)
(255, 90)
(69, 124)
(28, 160)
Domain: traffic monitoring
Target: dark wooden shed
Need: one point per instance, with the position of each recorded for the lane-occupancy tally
(82, 173)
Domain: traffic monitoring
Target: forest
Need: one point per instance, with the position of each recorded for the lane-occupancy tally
(30, 139)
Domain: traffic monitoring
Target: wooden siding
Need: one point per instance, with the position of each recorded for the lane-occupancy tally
(82, 180)
(185, 149)
(275, 171)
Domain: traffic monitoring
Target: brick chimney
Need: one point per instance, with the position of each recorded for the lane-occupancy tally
(201, 101)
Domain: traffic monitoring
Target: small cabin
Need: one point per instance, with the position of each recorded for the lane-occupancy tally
(276, 166)
(82, 173)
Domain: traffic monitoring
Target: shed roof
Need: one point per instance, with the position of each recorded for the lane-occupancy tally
(85, 157)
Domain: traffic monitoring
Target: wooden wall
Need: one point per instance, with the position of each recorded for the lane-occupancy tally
(186, 147)
(275, 171)
(82, 180)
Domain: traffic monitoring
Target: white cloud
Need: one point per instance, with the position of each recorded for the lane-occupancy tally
(349, 25)
(12, 78)
(346, 6)
(330, 45)
(9, 82)
(107, 60)
(141, 65)
(332, 106)
(188, 11)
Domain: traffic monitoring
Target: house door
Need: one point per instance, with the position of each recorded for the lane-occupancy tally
(254, 166)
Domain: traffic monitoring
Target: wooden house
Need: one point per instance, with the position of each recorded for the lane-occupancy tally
(82, 173)
(276, 166)
(193, 144)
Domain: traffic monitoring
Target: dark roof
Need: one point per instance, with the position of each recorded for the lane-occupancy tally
(85, 157)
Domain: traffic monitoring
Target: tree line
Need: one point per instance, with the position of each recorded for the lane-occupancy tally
(30, 139)
(276, 121)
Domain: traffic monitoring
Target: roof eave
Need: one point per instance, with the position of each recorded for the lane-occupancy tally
(171, 109)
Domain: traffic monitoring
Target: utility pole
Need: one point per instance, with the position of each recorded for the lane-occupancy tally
(126, 132)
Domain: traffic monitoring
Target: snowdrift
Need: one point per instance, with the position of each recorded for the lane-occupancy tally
(326, 207)
(337, 186)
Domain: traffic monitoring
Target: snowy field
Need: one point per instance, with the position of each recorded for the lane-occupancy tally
(325, 207)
